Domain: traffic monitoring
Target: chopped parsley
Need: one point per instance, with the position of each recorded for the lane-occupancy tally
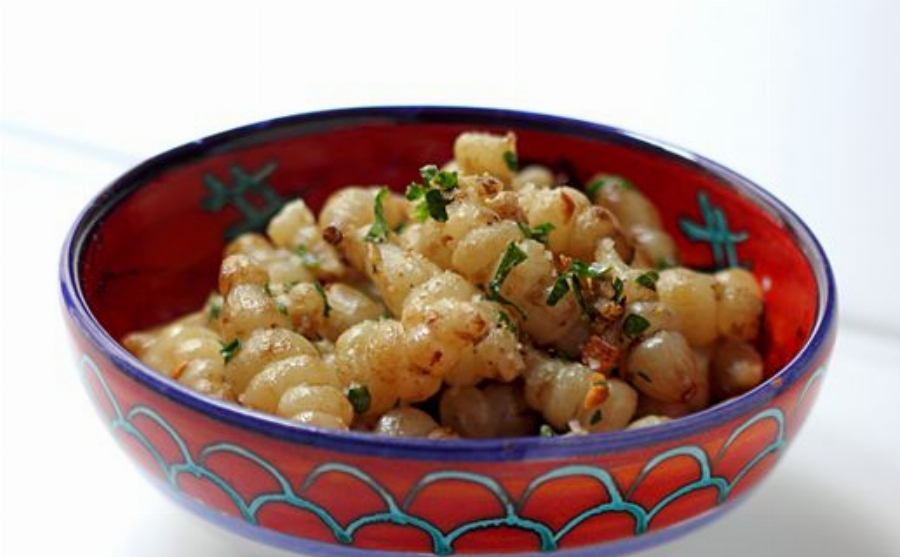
(546, 431)
(634, 325)
(428, 172)
(440, 178)
(401, 226)
(309, 259)
(379, 230)
(597, 417)
(664, 263)
(506, 321)
(231, 349)
(326, 308)
(359, 398)
(511, 160)
(594, 188)
(268, 288)
(618, 290)
(570, 280)
(648, 280)
(511, 257)
(432, 194)
(282, 309)
(434, 206)
(215, 306)
(539, 233)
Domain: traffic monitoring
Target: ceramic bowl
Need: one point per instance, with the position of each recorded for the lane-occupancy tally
(147, 249)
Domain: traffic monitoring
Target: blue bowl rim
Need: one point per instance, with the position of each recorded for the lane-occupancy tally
(518, 448)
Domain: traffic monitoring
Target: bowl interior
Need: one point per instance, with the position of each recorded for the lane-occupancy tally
(153, 241)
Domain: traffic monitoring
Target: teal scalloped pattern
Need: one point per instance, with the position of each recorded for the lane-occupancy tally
(397, 512)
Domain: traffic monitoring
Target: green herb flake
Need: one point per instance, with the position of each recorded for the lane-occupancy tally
(546, 431)
(215, 306)
(401, 226)
(594, 188)
(664, 263)
(592, 271)
(432, 193)
(428, 172)
(415, 191)
(648, 280)
(359, 398)
(446, 180)
(618, 290)
(432, 203)
(309, 259)
(644, 376)
(282, 309)
(231, 349)
(511, 257)
(268, 288)
(436, 205)
(441, 178)
(569, 280)
(506, 321)
(579, 298)
(560, 288)
(420, 212)
(634, 325)
(326, 308)
(540, 233)
(379, 230)
(511, 160)
(597, 417)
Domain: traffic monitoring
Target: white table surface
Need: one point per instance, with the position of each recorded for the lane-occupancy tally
(804, 99)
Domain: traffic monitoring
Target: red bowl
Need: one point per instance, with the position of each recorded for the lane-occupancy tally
(148, 247)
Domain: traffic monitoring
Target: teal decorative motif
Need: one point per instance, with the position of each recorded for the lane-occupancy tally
(244, 184)
(399, 513)
(715, 231)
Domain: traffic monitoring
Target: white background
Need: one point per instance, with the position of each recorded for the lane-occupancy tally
(803, 98)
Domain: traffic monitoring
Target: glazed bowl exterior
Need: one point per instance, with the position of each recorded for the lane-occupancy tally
(147, 249)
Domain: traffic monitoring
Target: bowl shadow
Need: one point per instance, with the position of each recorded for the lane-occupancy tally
(790, 515)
